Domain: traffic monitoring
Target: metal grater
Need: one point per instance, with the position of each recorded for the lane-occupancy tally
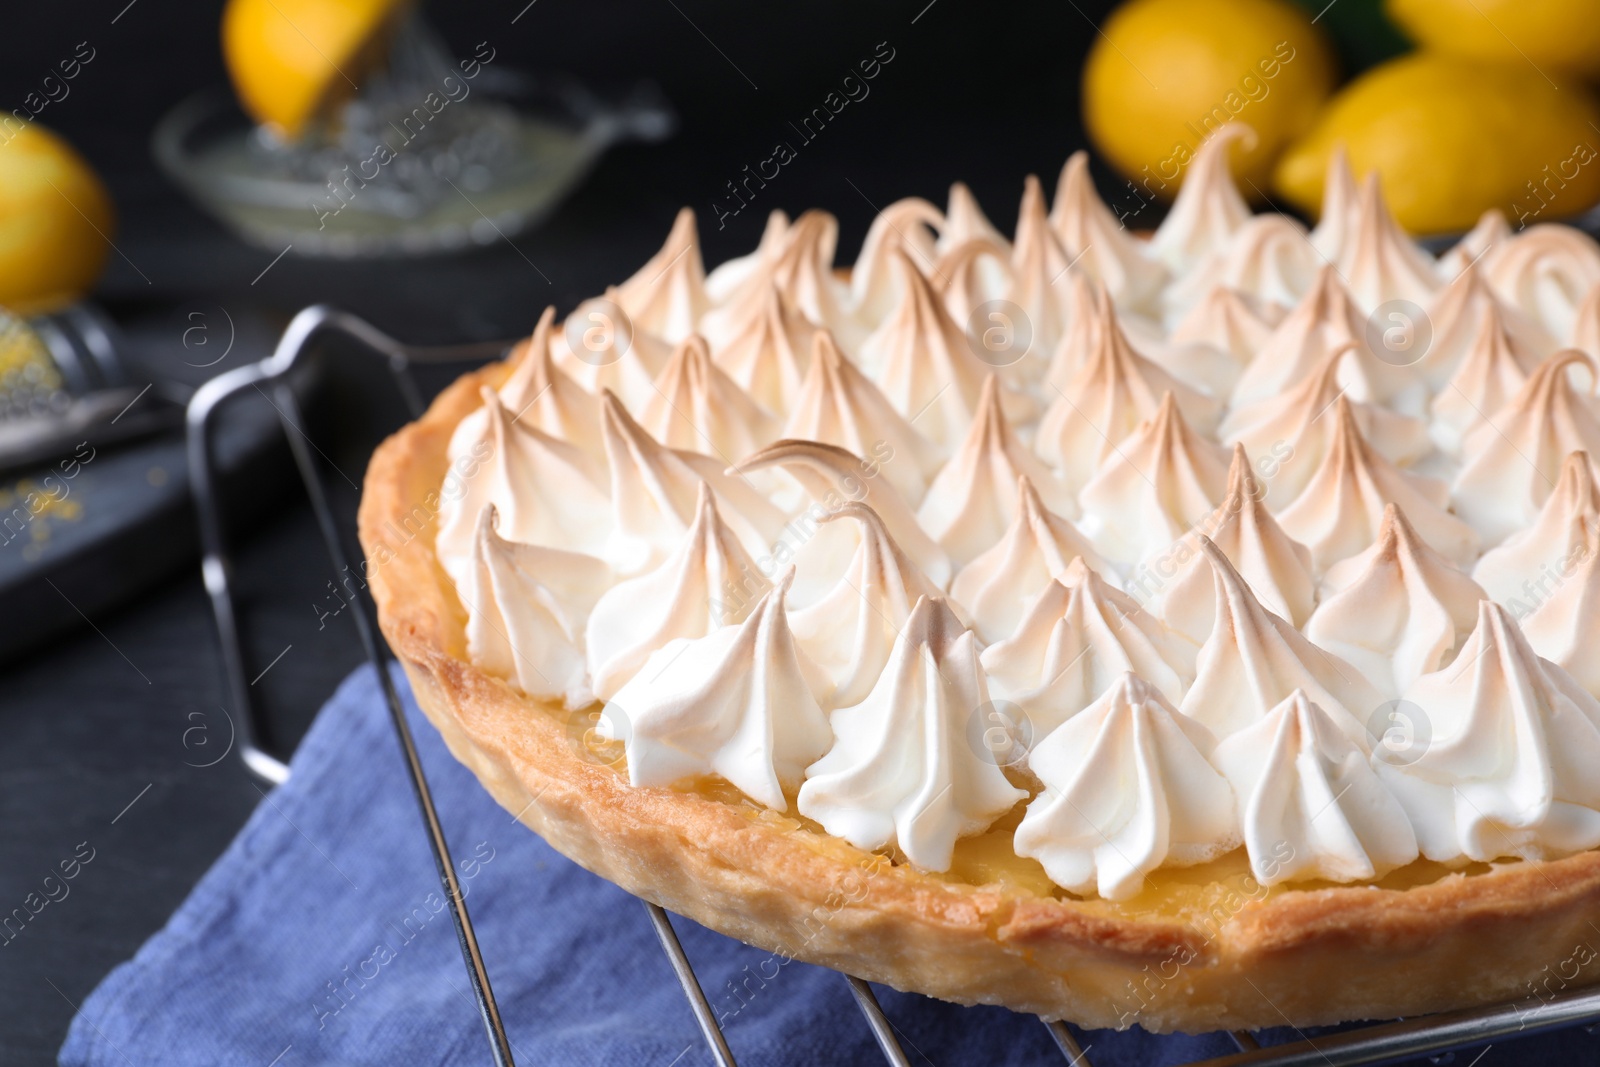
(30, 382)
(62, 381)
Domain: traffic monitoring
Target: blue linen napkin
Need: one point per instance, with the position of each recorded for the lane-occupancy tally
(321, 937)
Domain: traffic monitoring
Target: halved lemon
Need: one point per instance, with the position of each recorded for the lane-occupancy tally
(293, 60)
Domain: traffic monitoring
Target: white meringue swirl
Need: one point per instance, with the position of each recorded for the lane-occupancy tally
(1396, 611)
(902, 771)
(1077, 639)
(737, 703)
(1505, 767)
(1128, 788)
(1310, 806)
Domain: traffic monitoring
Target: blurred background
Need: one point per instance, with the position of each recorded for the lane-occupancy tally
(111, 690)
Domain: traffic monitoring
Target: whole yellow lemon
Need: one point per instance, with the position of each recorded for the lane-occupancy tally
(1451, 138)
(1165, 74)
(1555, 35)
(56, 220)
(291, 60)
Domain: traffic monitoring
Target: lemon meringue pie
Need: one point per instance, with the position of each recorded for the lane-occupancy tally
(1113, 627)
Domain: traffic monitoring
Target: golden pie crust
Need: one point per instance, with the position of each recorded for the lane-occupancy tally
(1187, 955)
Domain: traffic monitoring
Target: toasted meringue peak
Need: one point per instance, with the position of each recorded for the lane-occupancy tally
(540, 397)
(1513, 459)
(1041, 268)
(1270, 258)
(1499, 755)
(833, 475)
(974, 498)
(1091, 314)
(838, 405)
(1203, 368)
(1564, 626)
(1128, 788)
(526, 609)
(907, 225)
(974, 258)
(1162, 480)
(1340, 510)
(971, 274)
(1339, 207)
(1522, 571)
(965, 221)
(803, 268)
(1310, 805)
(1586, 324)
(736, 703)
(1078, 637)
(1491, 233)
(1275, 566)
(1208, 210)
(1488, 376)
(1110, 395)
(654, 490)
(1455, 317)
(1396, 611)
(1291, 433)
(1098, 244)
(696, 407)
(1325, 320)
(707, 581)
(543, 397)
(548, 492)
(1379, 262)
(667, 296)
(997, 586)
(611, 354)
(728, 278)
(850, 631)
(1545, 272)
(769, 355)
(1254, 660)
(1229, 321)
(903, 770)
(921, 360)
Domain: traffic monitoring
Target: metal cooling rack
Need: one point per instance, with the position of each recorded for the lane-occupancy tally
(1432, 1035)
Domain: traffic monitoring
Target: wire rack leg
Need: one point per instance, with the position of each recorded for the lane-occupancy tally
(367, 631)
(273, 372)
(882, 1029)
(1066, 1042)
(691, 985)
